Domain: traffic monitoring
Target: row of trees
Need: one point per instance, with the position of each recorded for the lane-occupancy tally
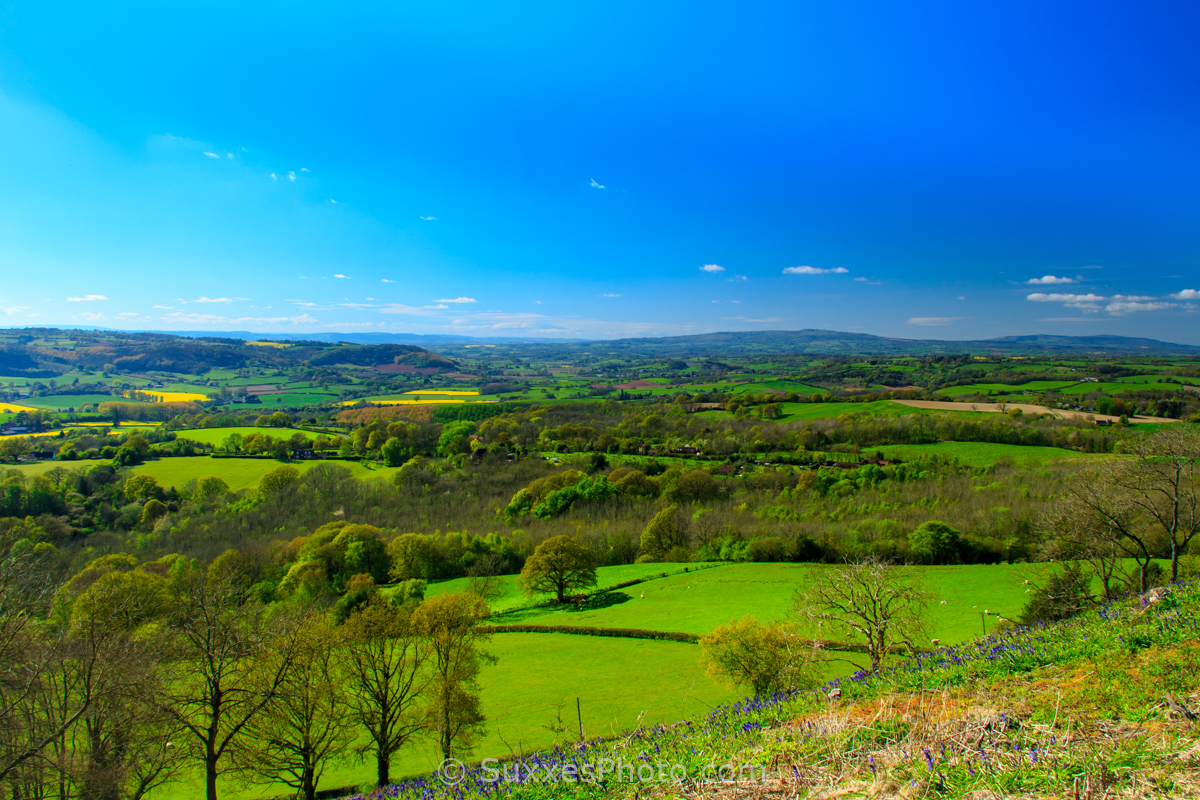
(124, 677)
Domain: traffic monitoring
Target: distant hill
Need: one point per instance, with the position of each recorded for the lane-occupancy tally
(818, 342)
(812, 341)
(48, 352)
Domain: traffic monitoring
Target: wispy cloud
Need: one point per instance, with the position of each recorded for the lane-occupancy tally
(458, 300)
(807, 270)
(611, 294)
(386, 280)
(273, 177)
(752, 319)
(211, 155)
(93, 316)
(215, 319)
(429, 219)
(1049, 280)
(932, 320)
(87, 298)
(164, 308)
(291, 176)
(1187, 294)
(305, 169)
(860, 278)
(411, 311)
(343, 277)
(220, 299)
(738, 279)
(715, 269)
(596, 185)
(10, 310)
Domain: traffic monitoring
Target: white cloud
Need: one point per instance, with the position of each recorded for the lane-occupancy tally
(860, 278)
(595, 185)
(88, 298)
(1085, 302)
(219, 299)
(387, 280)
(165, 308)
(715, 269)
(291, 176)
(611, 294)
(211, 155)
(1122, 305)
(303, 303)
(332, 201)
(93, 316)
(738, 278)
(10, 310)
(807, 270)
(1187, 294)
(429, 219)
(343, 277)
(273, 176)
(1117, 305)
(458, 300)
(1049, 280)
(305, 169)
(127, 314)
(932, 320)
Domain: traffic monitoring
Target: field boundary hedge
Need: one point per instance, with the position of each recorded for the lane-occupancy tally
(672, 636)
(624, 633)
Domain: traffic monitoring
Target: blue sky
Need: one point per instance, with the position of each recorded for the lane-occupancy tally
(602, 169)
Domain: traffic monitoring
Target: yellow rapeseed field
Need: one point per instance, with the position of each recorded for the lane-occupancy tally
(173, 397)
(15, 409)
(445, 392)
(421, 402)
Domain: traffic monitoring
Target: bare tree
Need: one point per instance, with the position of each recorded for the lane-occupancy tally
(382, 663)
(1162, 483)
(293, 738)
(232, 661)
(869, 599)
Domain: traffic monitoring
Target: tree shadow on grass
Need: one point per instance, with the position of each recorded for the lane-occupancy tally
(598, 601)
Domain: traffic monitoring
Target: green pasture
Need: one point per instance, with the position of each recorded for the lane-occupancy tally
(1004, 388)
(799, 411)
(56, 402)
(980, 454)
(513, 597)
(620, 684)
(697, 602)
(239, 473)
(215, 436)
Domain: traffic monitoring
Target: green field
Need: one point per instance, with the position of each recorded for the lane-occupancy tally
(980, 454)
(1004, 388)
(797, 411)
(215, 436)
(239, 473)
(512, 596)
(65, 401)
(696, 602)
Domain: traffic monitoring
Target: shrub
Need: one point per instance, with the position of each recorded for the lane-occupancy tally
(1064, 595)
(935, 543)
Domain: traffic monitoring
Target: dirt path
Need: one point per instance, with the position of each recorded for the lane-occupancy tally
(1002, 408)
